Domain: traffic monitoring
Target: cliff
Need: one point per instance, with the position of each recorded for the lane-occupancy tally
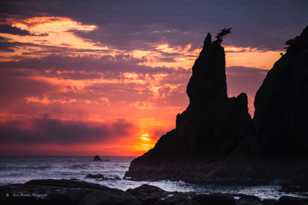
(281, 103)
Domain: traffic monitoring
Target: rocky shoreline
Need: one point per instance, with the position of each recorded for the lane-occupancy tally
(69, 192)
(229, 172)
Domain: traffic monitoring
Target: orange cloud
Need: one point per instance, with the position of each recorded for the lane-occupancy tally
(49, 33)
(52, 31)
(184, 56)
(251, 57)
(47, 101)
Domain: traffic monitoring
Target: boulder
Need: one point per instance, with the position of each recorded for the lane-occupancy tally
(269, 202)
(204, 199)
(176, 199)
(109, 197)
(64, 183)
(148, 194)
(249, 200)
(287, 200)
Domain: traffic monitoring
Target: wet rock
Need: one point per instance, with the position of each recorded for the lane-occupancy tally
(148, 194)
(213, 200)
(64, 183)
(249, 200)
(287, 200)
(23, 201)
(176, 199)
(109, 197)
(50, 192)
(269, 202)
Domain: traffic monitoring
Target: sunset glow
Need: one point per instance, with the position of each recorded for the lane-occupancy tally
(145, 143)
(117, 79)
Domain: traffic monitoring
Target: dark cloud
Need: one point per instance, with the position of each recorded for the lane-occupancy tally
(106, 64)
(6, 46)
(12, 30)
(264, 24)
(52, 131)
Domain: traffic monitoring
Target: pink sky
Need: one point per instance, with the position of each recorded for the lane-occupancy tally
(73, 86)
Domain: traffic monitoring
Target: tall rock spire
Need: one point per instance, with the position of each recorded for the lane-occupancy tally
(212, 125)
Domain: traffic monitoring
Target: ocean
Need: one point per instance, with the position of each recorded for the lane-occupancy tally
(22, 169)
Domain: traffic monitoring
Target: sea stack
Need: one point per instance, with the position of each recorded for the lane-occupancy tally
(211, 127)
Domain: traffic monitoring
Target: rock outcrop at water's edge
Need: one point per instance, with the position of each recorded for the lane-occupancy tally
(72, 192)
(215, 139)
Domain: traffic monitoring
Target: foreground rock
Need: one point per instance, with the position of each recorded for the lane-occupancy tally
(69, 192)
(64, 192)
(215, 140)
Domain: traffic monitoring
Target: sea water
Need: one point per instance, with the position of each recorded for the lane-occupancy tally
(22, 169)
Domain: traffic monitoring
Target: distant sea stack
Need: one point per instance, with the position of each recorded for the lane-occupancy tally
(281, 103)
(211, 127)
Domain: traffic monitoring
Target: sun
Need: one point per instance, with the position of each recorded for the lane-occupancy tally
(145, 142)
(145, 137)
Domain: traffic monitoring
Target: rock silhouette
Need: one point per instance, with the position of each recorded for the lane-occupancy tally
(213, 125)
(281, 103)
(215, 139)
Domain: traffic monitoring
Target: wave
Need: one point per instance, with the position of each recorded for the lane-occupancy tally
(29, 167)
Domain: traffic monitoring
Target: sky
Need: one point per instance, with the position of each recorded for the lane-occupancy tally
(108, 77)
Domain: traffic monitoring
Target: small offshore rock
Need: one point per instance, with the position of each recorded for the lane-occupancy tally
(97, 158)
